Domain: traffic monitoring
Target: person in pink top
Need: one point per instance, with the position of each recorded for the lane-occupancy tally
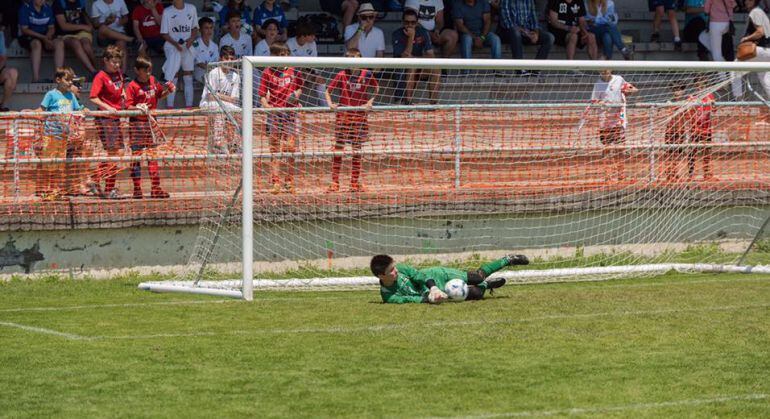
(720, 14)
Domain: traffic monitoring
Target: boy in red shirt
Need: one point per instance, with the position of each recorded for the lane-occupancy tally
(358, 87)
(145, 20)
(107, 93)
(281, 88)
(144, 94)
(700, 123)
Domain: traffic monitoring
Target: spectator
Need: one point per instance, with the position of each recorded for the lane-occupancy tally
(695, 22)
(179, 27)
(271, 36)
(108, 95)
(8, 76)
(303, 45)
(74, 26)
(367, 38)
(567, 23)
(518, 24)
(269, 10)
(758, 32)
(206, 50)
(222, 92)
(82, 184)
(345, 8)
(37, 33)
(242, 10)
(473, 21)
(9, 17)
(603, 22)
(240, 42)
(431, 16)
(110, 18)
(146, 19)
(667, 7)
(412, 40)
(720, 14)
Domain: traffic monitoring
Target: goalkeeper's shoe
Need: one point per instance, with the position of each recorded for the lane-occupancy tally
(516, 260)
(493, 283)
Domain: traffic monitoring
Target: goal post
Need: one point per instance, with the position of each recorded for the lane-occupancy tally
(595, 177)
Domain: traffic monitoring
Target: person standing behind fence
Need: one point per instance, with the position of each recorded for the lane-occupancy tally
(107, 92)
(179, 27)
(144, 94)
(357, 87)
(609, 94)
(83, 184)
(56, 131)
(221, 92)
(701, 132)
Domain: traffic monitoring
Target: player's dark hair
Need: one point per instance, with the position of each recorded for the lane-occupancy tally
(379, 264)
(279, 48)
(305, 29)
(233, 15)
(227, 51)
(409, 12)
(205, 21)
(143, 62)
(271, 22)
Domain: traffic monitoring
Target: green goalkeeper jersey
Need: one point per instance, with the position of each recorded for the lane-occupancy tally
(410, 285)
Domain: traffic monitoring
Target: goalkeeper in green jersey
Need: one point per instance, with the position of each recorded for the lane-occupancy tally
(401, 283)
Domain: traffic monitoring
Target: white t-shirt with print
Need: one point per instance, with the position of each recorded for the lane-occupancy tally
(426, 11)
(100, 11)
(242, 45)
(309, 49)
(179, 24)
(612, 95)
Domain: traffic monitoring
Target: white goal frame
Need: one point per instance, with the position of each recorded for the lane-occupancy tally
(244, 287)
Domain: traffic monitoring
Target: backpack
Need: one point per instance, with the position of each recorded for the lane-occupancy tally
(326, 28)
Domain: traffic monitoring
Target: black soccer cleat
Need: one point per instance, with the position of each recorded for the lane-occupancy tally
(493, 283)
(516, 260)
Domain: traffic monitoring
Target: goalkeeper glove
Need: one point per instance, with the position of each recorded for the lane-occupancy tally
(436, 296)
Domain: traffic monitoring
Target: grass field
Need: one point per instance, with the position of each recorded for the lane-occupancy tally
(671, 346)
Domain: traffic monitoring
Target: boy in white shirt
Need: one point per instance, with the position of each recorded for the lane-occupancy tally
(240, 42)
(271, 35)
(179, 27)
(303, 45)
(610, 94)
(110, 18)
(206, 50)
(222, 91)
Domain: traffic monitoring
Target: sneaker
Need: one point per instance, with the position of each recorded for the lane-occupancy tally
(159, 193)
(357, 187)
(94, 189)
(288, 187)
(516, 260)
(112, 194)
(333, 187)
(678, 45)
(655, 37)
(137, 194)
(628, 54)
(275, 189)
(494, 283)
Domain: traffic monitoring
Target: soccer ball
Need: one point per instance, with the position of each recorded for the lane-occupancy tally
(456, 290)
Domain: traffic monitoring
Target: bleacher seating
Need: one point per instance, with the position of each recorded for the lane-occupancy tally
(636, 22)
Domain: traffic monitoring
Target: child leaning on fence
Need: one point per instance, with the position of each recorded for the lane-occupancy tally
(143, 94)
(56, 130)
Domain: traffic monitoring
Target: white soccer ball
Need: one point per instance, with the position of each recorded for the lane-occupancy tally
(456, 290)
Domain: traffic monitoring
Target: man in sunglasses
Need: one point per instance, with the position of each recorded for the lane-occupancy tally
(412, 40)
(364, 36)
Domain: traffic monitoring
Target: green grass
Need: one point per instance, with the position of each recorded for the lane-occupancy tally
(671, 346)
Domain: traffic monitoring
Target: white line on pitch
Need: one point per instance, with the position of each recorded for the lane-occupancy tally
(44, 331)
(622, 408)
(384, 327)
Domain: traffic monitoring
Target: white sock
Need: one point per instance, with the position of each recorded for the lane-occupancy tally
(188, 90)
(170, 97)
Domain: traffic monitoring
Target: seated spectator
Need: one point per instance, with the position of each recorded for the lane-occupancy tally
(758, 32)
(344, 8)
(659, 8)
(37, 33)
(8, 76)
(603, 22)
(240, 8)
(240, 42)
(179, 27)
(431, 16)
(269, 10)
(146, 19)
(271, 36)
(695, 22)
(473, 21)
(367, 38)
(567, 23)
(518, 25)
(412, 40)
(74, 26)
(206, 50)
(303, 45)
(110, 18)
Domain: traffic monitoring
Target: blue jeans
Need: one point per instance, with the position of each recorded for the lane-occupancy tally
(608, 35)
(517, 42)
(492, 41)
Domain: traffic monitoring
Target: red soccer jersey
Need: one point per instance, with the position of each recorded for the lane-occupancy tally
(109, 88)
(354, 91)
(280, 84)
(148, 93)
(701, 114)
(148, 26)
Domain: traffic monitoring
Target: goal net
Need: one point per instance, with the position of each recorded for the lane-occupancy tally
(594, 170)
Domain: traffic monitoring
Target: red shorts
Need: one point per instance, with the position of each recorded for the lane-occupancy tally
(351, 127)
